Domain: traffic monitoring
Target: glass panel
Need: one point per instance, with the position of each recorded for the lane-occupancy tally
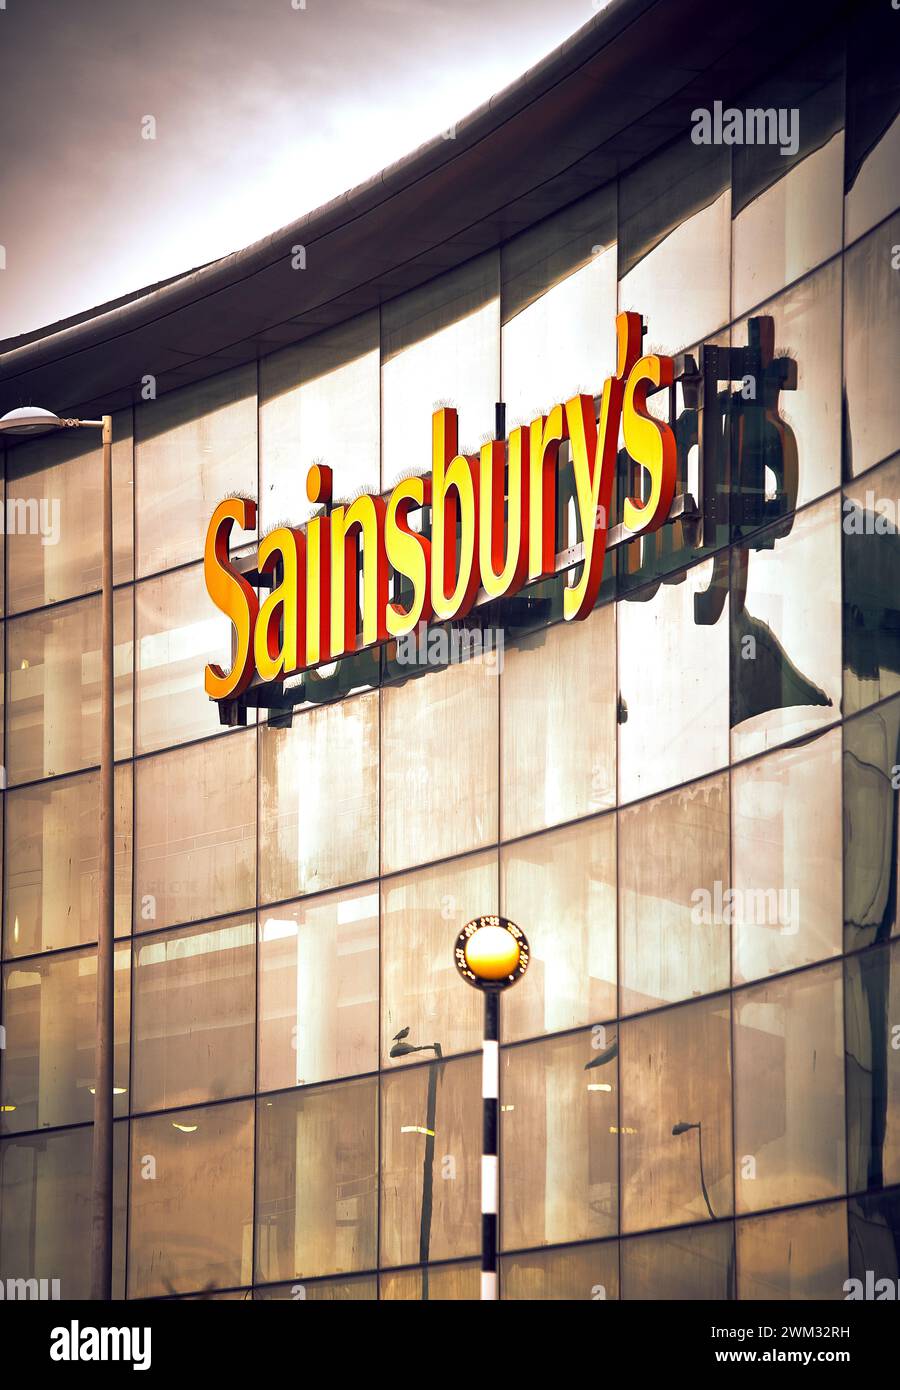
(191, 1214)
(316, 1200)
(50, 1017)
(873, 128)
(192, 448)
(871, 347)
(789, 1090)
(874, 1243)
(871, 542)
(561, 889)
(451, 1283)
(422, 993)
(788, 189)
(556, 767)
(53, 690)
(318, 989)
(673, 874)
(872, 1010)
(794, 1254)
(178, 632)
(673, 680)
(319, 403)
(53, 515)
(786, 632)
(363, 1287)
(319, 799)
(787, 435)
(440, 345)
(786, 859)
(558, 295)
(675, 243)
(196, 832)
(52, 855)
(584, 1272)
(871, 826)
(693, 1263)
(194, 1002)
(439, 765)
(676, 1156)
(430, 1162)
(558, 1144)
(45, 1209)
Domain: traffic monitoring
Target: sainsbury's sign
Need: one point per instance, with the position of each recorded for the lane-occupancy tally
(493, 528)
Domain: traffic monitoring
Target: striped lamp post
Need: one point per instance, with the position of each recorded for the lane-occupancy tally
(491, 953)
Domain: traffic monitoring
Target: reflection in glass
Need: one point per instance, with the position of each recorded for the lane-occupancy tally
(693, 1263)
(561, 889)
(194, 1001)
(45, 1209)
(556, 768)
(581, 1272)
(430, 1184)
(192, 448)
(316, 1201)
(318, 791)
(319, 403)
(874, 1223)
(785, 632)
(673, 874)
(195, 832)
(870, 517)
(49, 1013)
(191, 1204)
(871, 826)
(872, 1008)
(439, 764)
(786, 858)
(871, 348)
(673, 682)
(675, 1071)
(53, 688)
(52, 857)
(362, 1287)
(789, 1090)
(558, 295)
(421, 916)
(440, 345)
(558, 1143)
(793, 1254)
(178, 632)
(318, 988)
(442, 1283)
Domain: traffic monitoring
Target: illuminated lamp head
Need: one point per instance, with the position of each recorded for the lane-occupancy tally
(491, 953)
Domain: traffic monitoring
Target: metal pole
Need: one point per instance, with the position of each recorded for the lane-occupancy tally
(102, 1206)
(490, 1091)
(428, 1169)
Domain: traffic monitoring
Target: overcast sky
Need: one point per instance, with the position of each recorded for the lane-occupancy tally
(262, 111)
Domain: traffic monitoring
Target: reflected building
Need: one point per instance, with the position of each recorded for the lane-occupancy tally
(689, 801)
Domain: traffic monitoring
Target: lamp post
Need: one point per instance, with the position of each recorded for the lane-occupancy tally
(31, 421)
(402, 1048)
(491, 953)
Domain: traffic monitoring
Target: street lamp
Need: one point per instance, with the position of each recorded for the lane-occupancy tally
(682, 1128)
(30, 421)
(402, 1048)
(491, 953)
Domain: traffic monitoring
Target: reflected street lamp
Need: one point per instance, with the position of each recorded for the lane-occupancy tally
(402, 1048)
(683, 1128)
(491, 953)
(30, 421)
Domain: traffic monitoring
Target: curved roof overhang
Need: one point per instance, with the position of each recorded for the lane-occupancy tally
(618, 89)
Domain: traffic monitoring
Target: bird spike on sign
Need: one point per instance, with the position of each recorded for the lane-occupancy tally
(491, 952)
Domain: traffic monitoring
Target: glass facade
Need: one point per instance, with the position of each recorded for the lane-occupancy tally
(690, 802)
